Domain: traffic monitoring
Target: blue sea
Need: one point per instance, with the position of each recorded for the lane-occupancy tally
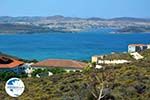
(78, 46)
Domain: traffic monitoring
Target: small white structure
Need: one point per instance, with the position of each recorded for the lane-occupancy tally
(27, 68)
(148, 46)
(97, 57)
(44, 74)
(136, 55)
(112, 61)
(50, 73)
(98, 67)
(37, 75)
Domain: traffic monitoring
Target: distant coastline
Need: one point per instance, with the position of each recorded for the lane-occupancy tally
(29, 25)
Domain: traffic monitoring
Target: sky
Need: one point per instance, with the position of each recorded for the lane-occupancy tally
(76, 8)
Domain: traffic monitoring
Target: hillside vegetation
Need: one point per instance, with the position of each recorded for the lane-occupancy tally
(117, 82)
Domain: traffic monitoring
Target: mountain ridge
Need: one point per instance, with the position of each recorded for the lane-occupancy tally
(63, 17)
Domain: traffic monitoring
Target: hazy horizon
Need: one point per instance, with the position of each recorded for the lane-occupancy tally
(79, 8)
(81, 17)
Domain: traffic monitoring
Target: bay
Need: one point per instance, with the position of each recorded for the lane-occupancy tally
(78, 46)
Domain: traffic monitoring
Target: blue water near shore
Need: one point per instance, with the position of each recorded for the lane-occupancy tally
(79, 46)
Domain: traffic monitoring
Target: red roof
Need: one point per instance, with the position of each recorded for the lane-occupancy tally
(59, 63)
(6, 62)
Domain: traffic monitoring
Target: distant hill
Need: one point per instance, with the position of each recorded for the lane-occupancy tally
(96, 19)
(60, 17)
(130, 19)
(60, 23)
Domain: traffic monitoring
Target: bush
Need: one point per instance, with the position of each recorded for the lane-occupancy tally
(57, 70)
(4, 76)
(38, 71)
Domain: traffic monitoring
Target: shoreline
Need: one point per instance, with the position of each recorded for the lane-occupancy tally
(60, 32)
(129, 32)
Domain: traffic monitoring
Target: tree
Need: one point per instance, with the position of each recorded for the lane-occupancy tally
(96, 87)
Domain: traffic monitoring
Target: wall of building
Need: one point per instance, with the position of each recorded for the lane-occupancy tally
(148, 46)
(112, 61)
(131, 48)
(94, 59)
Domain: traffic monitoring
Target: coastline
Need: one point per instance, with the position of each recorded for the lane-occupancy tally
(130, 32)
(51, 32)
(78, 46)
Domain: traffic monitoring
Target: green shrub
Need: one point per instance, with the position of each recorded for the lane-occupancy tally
(57, 70)
(4, 76)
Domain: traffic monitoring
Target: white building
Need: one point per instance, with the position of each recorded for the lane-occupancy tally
(137, 47)
(27, 68)
(96, 58)
(98, 67)
(101, 60)
(112, 61)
